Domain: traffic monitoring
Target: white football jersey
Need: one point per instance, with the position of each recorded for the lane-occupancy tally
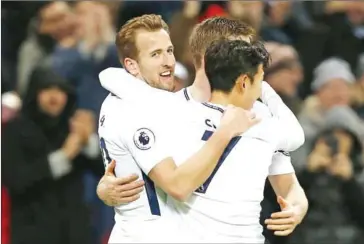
(129, 135)
(226, 208)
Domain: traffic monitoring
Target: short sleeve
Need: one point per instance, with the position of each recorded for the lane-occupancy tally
(148, 143)
(281, 164)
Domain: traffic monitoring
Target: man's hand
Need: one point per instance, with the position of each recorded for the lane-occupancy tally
(114, 191)
(342, 167)
(237, 120)
(283, 223)
(83, 123)
(320, 157)
(72, 146)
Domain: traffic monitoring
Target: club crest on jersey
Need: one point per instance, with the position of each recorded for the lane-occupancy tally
(144, 139)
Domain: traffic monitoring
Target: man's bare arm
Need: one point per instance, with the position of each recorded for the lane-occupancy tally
(293, 202)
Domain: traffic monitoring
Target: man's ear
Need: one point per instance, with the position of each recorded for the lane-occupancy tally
(131, 66)
(242, 82)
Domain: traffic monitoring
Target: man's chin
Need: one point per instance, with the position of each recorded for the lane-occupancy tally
(167, 86)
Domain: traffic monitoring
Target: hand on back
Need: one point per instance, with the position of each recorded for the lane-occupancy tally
(237, 120)
(114, 191)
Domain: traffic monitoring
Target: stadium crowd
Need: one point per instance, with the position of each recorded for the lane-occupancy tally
(52, 53)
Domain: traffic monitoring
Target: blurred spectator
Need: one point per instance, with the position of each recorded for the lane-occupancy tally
(48, 145)
(14, 17)
(131, 9)
(93, 51)
(277, 14)
(346, 37)
(81, 63)
(54, 25)
(332, 79)
(10, 105)
(333, 182)
(358, 89)
(285, 73)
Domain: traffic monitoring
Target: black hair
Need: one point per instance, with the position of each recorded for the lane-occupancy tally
(226, 60)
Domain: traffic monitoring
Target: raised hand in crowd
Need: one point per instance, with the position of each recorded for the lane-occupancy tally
(83, 124)
(320, 157)
(342, 167)
(73, 145)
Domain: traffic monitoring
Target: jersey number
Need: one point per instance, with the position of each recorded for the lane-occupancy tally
(105, 153)
(149, 185)
(229, 147)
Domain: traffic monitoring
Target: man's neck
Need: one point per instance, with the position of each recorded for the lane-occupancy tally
(224, 99)
(200, 89)
(220, 98)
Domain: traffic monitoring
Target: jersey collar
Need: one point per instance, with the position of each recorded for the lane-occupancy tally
(214, 106)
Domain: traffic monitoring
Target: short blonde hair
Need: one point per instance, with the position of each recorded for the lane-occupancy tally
(215, 29)
(125, 38)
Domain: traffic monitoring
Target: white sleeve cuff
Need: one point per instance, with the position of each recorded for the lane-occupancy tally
(281, 164)
(59, 164)
(92, 149)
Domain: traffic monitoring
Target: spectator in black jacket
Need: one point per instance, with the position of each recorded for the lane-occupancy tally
(333, 182)
(44, 151)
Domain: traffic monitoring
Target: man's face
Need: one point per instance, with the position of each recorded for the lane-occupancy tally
(156, 59)
(335, 92)
(52, 101)
(57, 20)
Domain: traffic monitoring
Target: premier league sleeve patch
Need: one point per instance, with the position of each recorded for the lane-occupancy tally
(144, 139)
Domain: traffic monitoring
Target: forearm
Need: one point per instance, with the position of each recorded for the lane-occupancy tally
(193, 172)
(297, 197)
(288, 187)
(102, 192)
(292, 135)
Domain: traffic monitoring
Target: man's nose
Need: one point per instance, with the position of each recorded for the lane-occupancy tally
(169, 60)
